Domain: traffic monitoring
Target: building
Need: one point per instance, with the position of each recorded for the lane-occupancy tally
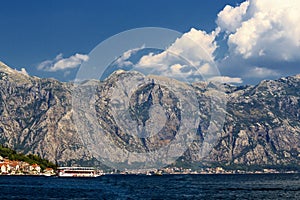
(1, 159)
(4, 168)
(35, 168)
(14, 165)
(49, 171)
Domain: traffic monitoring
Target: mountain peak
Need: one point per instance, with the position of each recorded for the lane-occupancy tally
(5, 68)
(14, 74)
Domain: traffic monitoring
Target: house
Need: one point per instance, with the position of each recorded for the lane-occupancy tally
(4, 168)
(49, 170)
(35, 168)
(24, 166)
(14, 165)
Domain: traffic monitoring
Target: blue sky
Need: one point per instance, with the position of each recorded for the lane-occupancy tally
(37, 32)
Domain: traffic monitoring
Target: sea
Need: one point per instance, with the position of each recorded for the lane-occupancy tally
(218, 186)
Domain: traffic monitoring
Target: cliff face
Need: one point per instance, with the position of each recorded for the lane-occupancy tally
(36, 117)
(262, 122)
(262, 125)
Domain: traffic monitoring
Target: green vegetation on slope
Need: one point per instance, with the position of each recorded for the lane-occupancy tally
(11, 154)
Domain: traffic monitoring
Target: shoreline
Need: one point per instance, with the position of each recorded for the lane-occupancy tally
(164, 174)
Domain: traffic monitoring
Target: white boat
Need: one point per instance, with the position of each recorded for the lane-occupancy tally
(77, 172)
(47, 174)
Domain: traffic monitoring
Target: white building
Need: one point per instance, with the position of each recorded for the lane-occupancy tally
(4, 168)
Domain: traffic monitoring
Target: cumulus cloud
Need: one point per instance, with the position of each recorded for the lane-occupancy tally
(60, 63)
(123, 61)
(194, 46)
(263, 28)
(230, 18)
(190, 55)
(225, 79)
(261, 35)
(177, 68)
(261, 72)
(189, 58)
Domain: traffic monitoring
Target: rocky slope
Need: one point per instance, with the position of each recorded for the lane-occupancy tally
(36, 117)
(262, 122)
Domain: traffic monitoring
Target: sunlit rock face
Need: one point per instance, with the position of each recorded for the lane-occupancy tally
(261, 127)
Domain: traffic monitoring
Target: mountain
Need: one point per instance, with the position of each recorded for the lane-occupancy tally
(262, 126)
(261, 123)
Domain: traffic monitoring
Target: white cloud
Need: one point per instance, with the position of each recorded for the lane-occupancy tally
(204, 69)
(225, 79)
(230, 18)
(258, 33)
(123, 60)
(195, 45)
(261, 72)
(263, 28)
(189, 58)
(191, 54)
(60, 63)
(176, 69)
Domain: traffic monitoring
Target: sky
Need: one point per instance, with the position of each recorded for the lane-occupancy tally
(249, 41)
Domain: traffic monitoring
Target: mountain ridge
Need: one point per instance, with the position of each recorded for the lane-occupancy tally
(261, 125)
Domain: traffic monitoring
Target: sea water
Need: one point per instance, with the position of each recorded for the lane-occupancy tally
(239, 186)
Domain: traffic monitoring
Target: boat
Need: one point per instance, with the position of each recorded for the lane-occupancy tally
(47, 174)
(148, 173)
(77, 172)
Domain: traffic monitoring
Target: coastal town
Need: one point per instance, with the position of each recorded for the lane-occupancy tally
(14, 163)
(208, 170)
(13, 167)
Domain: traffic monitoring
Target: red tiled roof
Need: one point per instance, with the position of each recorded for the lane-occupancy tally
(14, 163)
(35, 165)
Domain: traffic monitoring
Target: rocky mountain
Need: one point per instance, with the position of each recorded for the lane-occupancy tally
(47, 117)
(262, 124)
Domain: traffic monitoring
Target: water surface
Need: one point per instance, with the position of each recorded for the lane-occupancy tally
(254, 186)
